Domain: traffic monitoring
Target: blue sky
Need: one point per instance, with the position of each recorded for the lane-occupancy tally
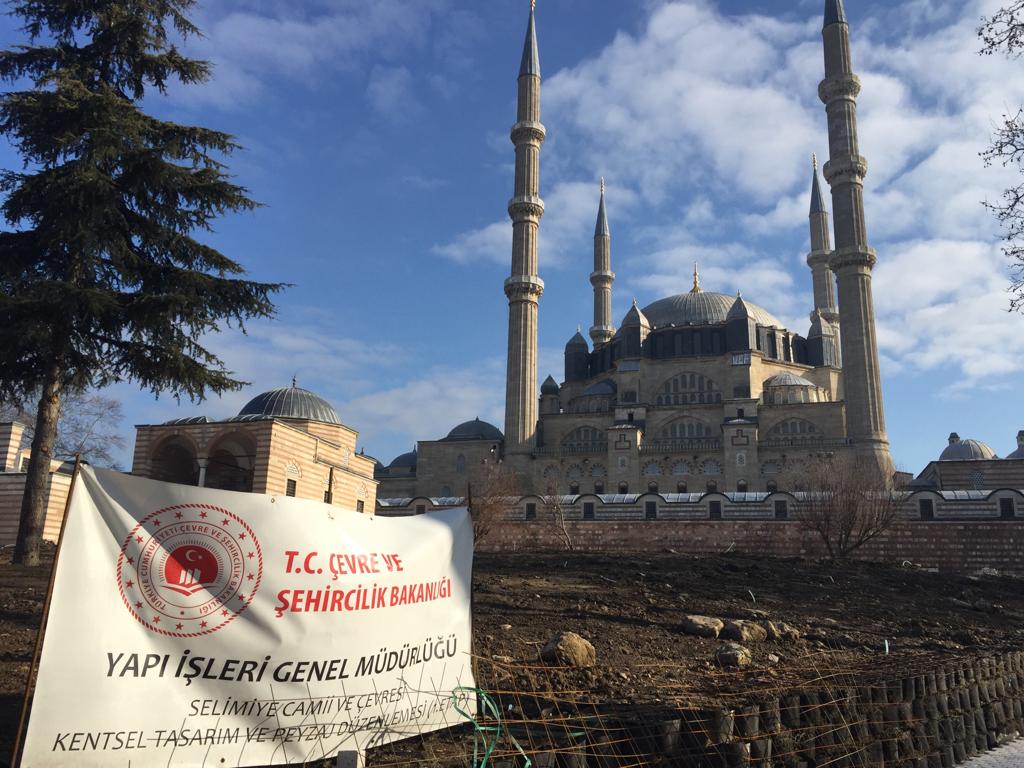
(376, 135)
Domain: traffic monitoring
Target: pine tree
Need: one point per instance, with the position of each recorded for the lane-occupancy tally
(102, 277)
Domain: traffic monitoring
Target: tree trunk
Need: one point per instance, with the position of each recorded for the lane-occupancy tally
(37, 481)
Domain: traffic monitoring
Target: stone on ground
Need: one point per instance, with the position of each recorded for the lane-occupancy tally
(569, 650)
(743, 632)
(701, 626)
(733, 655)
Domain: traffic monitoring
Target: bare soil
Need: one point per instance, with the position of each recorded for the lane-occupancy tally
(630, 607)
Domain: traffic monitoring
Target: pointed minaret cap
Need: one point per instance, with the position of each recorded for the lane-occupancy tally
(577, 340)
(954, 438)
(602, 230)
(549, 387)
(696, 280)
(738, 310)
(817, 200)
(835, 12)
(531, 59)
(635, 317)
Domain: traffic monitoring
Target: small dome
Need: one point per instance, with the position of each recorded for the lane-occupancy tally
(290, 403)
(474, 430)
(549, 387)
(788, 380)
(966, 450)
(403, 461)
(186, 421)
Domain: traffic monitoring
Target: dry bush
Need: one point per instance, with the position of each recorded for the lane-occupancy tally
(845, 501)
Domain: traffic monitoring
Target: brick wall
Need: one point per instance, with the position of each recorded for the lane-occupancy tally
(957, 546)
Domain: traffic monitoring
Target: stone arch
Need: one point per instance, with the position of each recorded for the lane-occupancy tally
(689, 388)
(685, 428)
(174, 460)
(232, 459)
(794, 427)
(653, 469)
(585, 439)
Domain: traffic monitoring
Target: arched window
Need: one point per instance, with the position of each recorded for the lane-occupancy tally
(574, 472)
(174, 461)
(681, 469)
(231, 463)
(652, 469)
(551, 472)
(446, 491)
(460, 464)
(689, 389)
(684, 428)
(711, 467)
(585, 440)
(793, 428)
(598, 470)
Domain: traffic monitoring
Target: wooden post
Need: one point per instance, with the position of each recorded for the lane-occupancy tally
(22, 721)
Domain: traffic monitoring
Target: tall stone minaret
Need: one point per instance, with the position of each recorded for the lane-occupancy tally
(524, 287)
(602, 278)
(821, 253)
(852, 259)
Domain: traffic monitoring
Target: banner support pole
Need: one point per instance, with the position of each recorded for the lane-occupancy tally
(22, 721)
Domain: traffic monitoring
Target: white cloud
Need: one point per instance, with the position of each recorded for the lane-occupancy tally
(392, 94)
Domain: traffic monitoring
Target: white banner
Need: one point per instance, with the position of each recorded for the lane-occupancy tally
(197, 627)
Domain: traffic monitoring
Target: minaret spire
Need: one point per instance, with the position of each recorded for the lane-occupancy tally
(696, 280)
(853, 259)
(524, 286)
(602, 277)
(821, 252)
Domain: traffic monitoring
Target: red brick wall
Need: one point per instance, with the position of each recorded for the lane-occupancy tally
(959, 546)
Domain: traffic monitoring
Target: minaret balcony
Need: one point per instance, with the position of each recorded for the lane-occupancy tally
(845, 86)
(527, 131)
(523, 286)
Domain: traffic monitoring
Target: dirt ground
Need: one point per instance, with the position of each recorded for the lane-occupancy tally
(630, 609)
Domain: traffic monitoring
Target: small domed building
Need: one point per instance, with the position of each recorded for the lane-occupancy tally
(966, 464)
(444, 468)
(286, 441)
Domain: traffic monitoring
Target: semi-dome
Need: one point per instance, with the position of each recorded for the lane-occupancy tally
(290, 403)
(405, 460)
(788, 380)
(966, 450)
(702, 308)
(474, 430)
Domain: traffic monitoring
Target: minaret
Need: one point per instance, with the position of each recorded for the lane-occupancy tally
(821, 253)
(852, 259)
(524, 287)
(602, 277)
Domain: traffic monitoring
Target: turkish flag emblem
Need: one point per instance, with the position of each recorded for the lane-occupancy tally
(189, 569)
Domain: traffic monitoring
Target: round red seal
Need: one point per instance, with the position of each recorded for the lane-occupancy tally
(189, 569)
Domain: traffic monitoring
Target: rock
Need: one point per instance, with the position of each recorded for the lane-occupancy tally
(779, 631)
(733, 655)
(506, 627)
(743, 632)
(701, 626)
(569, 650)
(749, 613)
(773, 658)
(503, 659)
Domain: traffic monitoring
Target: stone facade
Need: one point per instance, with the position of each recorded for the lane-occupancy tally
(273, 453)
(695, 392)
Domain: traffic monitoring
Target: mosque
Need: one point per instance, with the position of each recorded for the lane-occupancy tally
(699, 405)
(699, 391)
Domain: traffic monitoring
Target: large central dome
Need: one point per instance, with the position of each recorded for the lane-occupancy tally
(702, 308)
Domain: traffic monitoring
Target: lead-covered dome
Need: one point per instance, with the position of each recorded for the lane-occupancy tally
(404, 461)
(290, 403)
(702, 308)
(474, 430)
(966, 450)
